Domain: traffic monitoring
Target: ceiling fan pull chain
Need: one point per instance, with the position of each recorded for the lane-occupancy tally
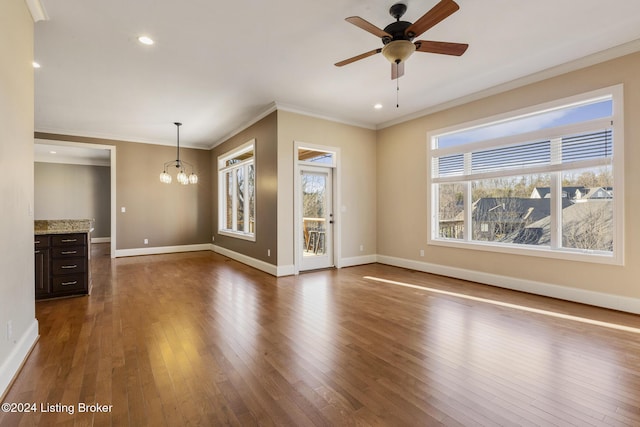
(397, 89)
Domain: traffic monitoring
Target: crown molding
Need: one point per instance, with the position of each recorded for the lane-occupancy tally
(306, 112)
(275, 106)
(261, 115)
(584, 62)
(106, 138)
(38, 12)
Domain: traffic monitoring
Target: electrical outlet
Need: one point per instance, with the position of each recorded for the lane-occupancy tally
(123, 209)
(268, 252)
(146, 241)
(361, 248)
(421, 252)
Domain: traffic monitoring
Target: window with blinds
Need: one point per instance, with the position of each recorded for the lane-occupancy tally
(540, 180)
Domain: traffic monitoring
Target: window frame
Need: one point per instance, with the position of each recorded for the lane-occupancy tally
(223, 170)
(616, 122)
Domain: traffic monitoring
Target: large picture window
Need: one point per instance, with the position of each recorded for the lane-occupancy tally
(545, 181)
(237, 192)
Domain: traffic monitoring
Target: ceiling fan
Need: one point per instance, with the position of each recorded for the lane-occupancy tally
(397, 37)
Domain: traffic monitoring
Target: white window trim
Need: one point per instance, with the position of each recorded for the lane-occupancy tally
(615, 258)
(319, 149)
(222, 170)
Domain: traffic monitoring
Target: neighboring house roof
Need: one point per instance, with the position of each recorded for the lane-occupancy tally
(570, 192)
(596, 212)
(513, 209)
(599, 193)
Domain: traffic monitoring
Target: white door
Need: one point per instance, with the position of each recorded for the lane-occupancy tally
(316, 218)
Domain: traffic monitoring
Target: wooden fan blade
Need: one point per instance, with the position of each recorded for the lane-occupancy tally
(397, 70)
(444, 48)
(437, 13)
(367, 26)
(358, 57)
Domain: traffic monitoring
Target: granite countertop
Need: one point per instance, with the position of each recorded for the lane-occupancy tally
(62, 226)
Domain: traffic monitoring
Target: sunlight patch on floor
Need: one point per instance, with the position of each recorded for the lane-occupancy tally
(508, 305)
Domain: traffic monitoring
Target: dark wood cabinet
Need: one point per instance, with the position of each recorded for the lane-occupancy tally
(62, 265)
(42, 258)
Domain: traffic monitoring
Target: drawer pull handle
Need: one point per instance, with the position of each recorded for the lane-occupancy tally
(69, 240)
(69, 266)
(68, 252)
(37, 252)
(75, 282)
(37, 242)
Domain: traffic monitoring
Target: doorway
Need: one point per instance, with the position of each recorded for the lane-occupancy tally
(77, 153)
(315, 184)
(316, 197)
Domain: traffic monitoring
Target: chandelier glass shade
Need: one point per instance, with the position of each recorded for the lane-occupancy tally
(186, 174)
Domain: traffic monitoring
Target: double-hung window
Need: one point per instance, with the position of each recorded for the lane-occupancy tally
(545, 181)
(237, 192)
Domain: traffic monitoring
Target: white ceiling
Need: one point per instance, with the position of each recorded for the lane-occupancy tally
(216, 66)
(49, 152)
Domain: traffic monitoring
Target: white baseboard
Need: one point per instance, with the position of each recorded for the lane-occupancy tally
(599, 299)
(358, 260)
(286, 270)
(101, 240)
(12, 365)
(255, 263)
(162, 250)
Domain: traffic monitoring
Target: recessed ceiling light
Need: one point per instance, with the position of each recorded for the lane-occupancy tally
(52, 152)
(145, 40)
(378, 106)
(35, 64)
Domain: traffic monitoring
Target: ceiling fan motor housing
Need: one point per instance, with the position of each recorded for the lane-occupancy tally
(397, 31)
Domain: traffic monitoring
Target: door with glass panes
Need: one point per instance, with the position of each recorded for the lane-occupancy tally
(316, 219)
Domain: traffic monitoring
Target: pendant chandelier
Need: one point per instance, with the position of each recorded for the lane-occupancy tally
(186, 175)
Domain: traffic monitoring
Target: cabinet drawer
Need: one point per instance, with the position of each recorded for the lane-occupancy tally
(41, 242)
(76, 239)
(68, 283)
(68, 251)
(68, 265)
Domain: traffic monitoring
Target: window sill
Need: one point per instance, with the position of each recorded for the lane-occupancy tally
(237, 235)
(536, 251)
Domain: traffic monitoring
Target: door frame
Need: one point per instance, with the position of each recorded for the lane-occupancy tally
(334, 169)
(112, 173)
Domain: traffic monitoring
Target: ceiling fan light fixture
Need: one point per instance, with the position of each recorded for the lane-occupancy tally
(398, 51)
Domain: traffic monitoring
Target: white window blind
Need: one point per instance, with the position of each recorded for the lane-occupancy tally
(584, 145)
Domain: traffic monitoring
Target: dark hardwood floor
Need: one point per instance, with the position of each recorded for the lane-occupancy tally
(198, 339)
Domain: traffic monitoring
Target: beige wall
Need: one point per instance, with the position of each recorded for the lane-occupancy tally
(402, 190)
(64, 191)
(264, 132)
(166, 215)
(16, 188)
(357, 182)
